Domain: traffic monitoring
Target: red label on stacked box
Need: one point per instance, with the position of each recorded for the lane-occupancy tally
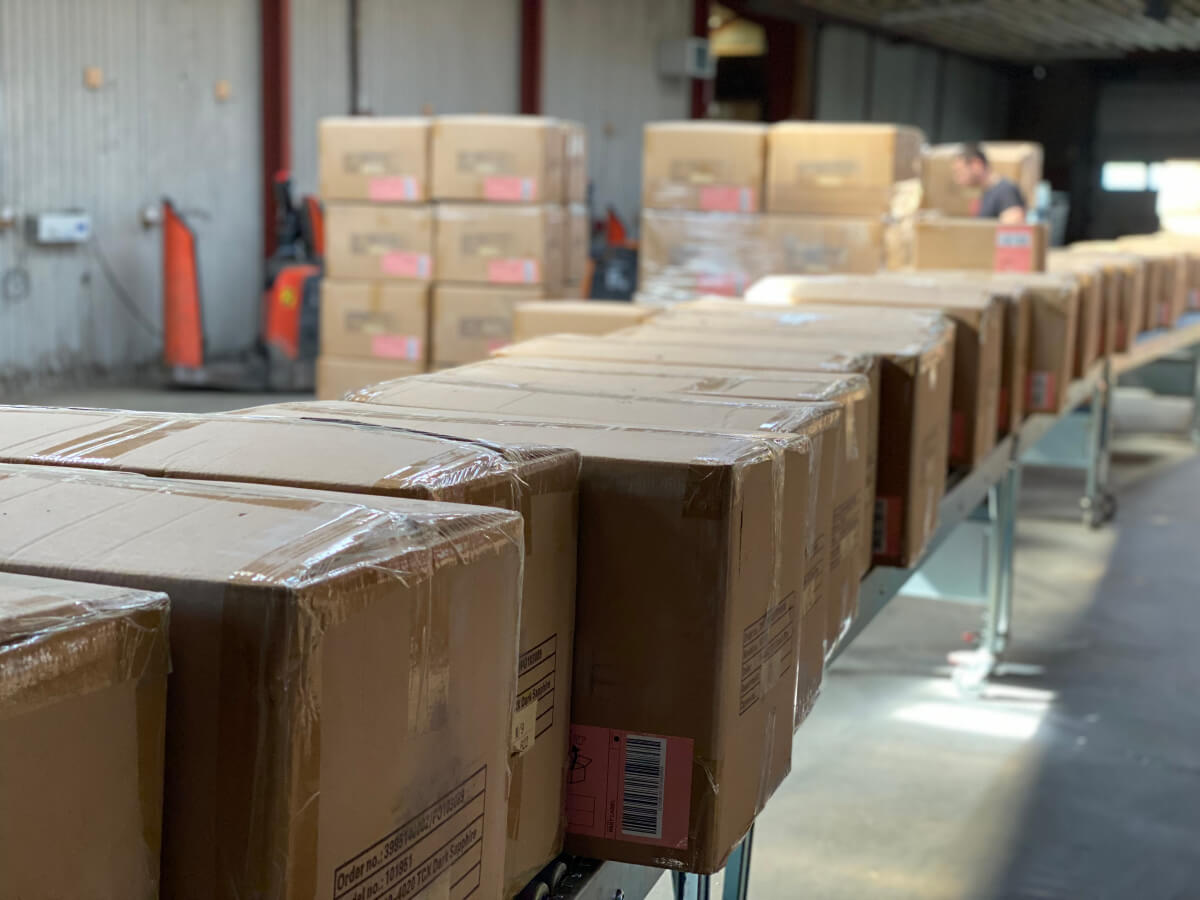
(396, 346)
(393, 189)
(406, 264)
(509, 188)
(1014, 248)
(514, 271)
(728, 198)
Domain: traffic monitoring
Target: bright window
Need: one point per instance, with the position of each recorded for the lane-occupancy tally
(1125, 176)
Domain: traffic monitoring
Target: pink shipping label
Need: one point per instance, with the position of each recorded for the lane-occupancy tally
(514, 271)
(629, 787)
(406, 264)
(393, 188)
(1042, 396)
(728, 198)
(397, 346)
(509, 188)
(729, 284)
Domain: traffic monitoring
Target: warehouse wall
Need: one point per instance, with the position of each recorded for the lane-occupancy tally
(600, 65)
(152, 127)
(453, 56)
(860, 76)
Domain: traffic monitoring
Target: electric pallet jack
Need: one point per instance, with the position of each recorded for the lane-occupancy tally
(285, 351)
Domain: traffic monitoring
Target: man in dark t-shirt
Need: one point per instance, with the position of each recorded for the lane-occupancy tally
(1000, 198)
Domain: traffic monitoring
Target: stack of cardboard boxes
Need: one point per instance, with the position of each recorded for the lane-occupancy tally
(436, 229)
(725, 204)
(947, 236)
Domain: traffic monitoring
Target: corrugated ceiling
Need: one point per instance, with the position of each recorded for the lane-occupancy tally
(1028, 30)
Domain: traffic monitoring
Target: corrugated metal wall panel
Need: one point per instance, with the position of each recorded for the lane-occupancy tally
(320, 79)
(153, 127)
(904, 84)
(454, 56)
(841, 74)
(601, 67)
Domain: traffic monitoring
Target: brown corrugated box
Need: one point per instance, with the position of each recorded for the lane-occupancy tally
(1018, 161)
(578, 245)
(539, 481)
(1129, 272)
(472, 320)
(980, 354)
(1053, 334)
(342, 678)
(376, 241)
(819, 244)
(500, 244)
(375, 320)
(703, 166)
(931, 290)
(829, 595)
(915, 381)
(576, 361)
(544, 317)
(671, 644)
(376, 160)
(1168, 289)
(575, 163)
(843, 169)
(498, 159)
(946, 243)
(1099, 297)
(683, 255)
(83, 687)
(338, 375)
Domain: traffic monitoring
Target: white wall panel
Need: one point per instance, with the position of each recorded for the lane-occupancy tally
(454, 56)
(600, 66)
(153, 127)
(320, 79)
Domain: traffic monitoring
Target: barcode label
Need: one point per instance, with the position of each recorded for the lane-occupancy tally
(1041, 391)
(642, 787)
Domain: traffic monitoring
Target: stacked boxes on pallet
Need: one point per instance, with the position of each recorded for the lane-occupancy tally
(436, 228)
(379, 257)
(831, 194)
(509, 225)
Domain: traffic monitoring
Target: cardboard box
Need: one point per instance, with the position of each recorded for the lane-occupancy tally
(368, 242)
(684, 255)
(1053, 333)
(980, 354)
(1018, 161)
(385, 462)
(697, 523)
(472, 320)
(820, 244)
(843, 169)
(1168, 287)
(578, 245)
(925, 290)
(305, 748)
(1129, 271)
(83, 702)
(944, 243)
(705, 166)
(375, 320)
(543, 317)
(498, 159)
(575, 163)
(914, 407)
(1099, 290)
(501, 244)
(339, 375)
(374, 160)
(830, 593)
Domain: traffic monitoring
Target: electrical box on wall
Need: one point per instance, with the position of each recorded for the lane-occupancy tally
(60, 227)
(686, 58)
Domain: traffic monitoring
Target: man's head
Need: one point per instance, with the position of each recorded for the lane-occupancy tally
(971, 167)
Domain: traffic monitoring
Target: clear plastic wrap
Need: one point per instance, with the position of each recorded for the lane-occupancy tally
(670, 642)
(307, 629)
(83, 677)
(682, 255)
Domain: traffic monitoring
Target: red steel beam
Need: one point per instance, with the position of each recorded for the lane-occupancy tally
(531, 57)
(276, 21)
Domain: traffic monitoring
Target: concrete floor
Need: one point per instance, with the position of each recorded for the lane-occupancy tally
(1075, 775)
